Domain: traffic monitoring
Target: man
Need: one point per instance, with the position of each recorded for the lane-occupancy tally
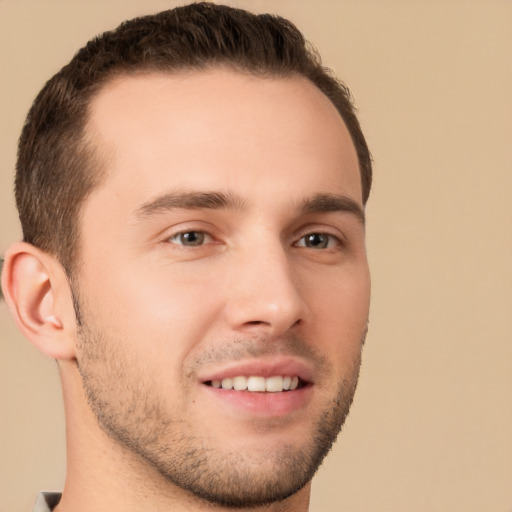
(191, 188)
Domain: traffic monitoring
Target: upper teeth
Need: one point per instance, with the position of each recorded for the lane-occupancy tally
(254, 383)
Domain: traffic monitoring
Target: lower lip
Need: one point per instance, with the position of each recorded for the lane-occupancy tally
(263, 404)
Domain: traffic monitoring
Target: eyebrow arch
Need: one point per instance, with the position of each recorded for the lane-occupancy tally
(324, 203)
(319, 203)
(190, 201)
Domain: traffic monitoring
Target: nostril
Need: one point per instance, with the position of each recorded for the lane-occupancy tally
(259, 323)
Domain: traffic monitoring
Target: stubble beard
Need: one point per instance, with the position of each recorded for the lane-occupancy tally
(123, 400)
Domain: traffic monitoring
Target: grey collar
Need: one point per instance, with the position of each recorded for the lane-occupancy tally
(46, 501)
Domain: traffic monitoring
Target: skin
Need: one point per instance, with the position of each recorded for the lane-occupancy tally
(278, 279)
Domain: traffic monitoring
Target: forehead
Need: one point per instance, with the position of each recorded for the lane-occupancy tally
(207, 129)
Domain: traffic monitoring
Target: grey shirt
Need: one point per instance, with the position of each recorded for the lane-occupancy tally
(46, 501)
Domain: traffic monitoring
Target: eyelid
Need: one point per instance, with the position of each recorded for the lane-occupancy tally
(321, 230)
(338, 241)
(208, 238)
(186, 225)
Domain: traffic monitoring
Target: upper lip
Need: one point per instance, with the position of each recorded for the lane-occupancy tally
(262, 367)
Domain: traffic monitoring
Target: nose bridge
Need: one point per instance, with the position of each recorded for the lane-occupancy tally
(265, 290)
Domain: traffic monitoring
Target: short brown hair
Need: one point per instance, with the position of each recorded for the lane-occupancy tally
(57, 167)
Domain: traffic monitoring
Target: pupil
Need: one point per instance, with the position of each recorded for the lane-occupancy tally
(317, 240)
(192, 238)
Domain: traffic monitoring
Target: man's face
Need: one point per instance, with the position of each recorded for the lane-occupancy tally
(225, 249)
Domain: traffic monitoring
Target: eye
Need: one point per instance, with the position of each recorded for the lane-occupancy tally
(318, 241)
(190, 238)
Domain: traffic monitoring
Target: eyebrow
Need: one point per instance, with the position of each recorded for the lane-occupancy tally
(324, 203)
(190, 201)
(319, 203)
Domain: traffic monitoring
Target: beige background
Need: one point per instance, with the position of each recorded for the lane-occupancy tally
(431, 428)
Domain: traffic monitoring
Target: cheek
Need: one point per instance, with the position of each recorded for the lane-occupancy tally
(340, 313)
(156, 315)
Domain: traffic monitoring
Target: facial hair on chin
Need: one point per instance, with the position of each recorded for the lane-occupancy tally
(121, 395)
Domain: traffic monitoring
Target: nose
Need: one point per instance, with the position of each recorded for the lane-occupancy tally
(264, 294)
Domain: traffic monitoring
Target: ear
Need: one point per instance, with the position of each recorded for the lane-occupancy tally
(37, 292)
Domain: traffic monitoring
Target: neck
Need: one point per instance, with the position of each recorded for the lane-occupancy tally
(103, 475)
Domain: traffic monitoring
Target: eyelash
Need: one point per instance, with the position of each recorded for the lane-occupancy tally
(330, 238)
(203, 234)
(205, 238)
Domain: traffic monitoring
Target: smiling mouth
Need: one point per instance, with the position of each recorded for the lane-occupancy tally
(258, 384)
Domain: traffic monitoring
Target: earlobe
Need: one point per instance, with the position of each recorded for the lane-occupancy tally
(37, 293)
